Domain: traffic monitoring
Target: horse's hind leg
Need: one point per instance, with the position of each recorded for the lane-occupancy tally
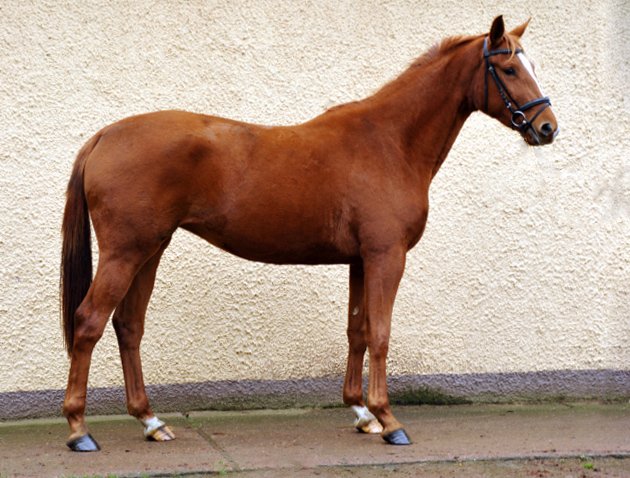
(113, 277)
(129, 325)
(357, 343)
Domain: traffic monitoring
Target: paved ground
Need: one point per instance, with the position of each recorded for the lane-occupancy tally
(460, 441)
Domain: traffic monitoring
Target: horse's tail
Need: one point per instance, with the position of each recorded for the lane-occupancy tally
(76, 254)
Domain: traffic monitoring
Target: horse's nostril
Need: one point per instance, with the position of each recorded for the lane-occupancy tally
(546, 129)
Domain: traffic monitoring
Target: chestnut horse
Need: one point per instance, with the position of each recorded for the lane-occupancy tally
(348, 187)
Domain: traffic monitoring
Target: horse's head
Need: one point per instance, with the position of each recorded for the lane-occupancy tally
(507, 88)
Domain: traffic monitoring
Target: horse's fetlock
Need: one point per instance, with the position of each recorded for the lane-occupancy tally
(353, 398)
(139, 409)
(73, 408)
(378, 406)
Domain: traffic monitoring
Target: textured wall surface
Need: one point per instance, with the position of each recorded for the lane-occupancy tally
(525, 262)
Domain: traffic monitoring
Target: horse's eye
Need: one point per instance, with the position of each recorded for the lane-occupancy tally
(510, 71)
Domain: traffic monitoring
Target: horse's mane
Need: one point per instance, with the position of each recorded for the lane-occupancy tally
(439, 50)
(446, 46)
(432, 55)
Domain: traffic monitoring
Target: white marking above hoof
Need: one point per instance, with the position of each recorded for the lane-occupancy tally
(366, 422)
(156, 430)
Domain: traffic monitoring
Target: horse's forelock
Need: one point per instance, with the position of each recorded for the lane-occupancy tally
(512, 44)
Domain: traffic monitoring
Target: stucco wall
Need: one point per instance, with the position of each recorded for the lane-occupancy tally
(525, 263)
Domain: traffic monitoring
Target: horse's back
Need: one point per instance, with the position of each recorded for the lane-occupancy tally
(270, 194)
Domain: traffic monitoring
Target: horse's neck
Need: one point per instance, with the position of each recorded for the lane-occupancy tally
(425, 109)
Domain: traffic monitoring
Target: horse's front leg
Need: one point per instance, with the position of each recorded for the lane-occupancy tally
(357, 343)
(383, 272)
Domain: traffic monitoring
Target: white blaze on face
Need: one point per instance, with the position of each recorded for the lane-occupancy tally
(530, 69)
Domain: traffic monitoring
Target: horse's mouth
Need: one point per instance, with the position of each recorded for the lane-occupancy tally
(537, 139)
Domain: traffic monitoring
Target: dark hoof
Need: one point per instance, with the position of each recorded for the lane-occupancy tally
(84, 443)
(397, 437)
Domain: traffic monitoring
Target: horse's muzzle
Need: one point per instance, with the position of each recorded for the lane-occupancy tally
(544, 134)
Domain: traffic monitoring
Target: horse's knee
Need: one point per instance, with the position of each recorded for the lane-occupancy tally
(379, 347)
(356, 341)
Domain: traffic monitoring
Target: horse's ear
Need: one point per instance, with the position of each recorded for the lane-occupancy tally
(497, 30)
(518, 31)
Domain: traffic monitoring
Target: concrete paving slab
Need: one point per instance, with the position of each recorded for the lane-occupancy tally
(37, 449)
(528, 468)
(512, 430)
(324, 443)
(326, 437)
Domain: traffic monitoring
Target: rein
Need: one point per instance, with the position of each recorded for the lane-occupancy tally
(519, 119)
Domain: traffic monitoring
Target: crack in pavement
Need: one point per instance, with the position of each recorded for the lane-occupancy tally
(202, 433)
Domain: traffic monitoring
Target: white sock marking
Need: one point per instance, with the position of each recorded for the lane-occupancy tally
(363, 415)
(151, 424)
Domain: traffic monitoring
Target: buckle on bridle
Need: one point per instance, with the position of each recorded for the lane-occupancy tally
(519, 120)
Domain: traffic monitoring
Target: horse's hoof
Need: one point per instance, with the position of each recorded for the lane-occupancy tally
(84, 443)
(371, 426)
(366, 422)
(397, 437)
(163, 433)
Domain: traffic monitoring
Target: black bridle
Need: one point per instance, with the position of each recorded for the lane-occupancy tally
(519, 120)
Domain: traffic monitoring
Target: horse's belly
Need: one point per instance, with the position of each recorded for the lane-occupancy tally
(276, 243)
